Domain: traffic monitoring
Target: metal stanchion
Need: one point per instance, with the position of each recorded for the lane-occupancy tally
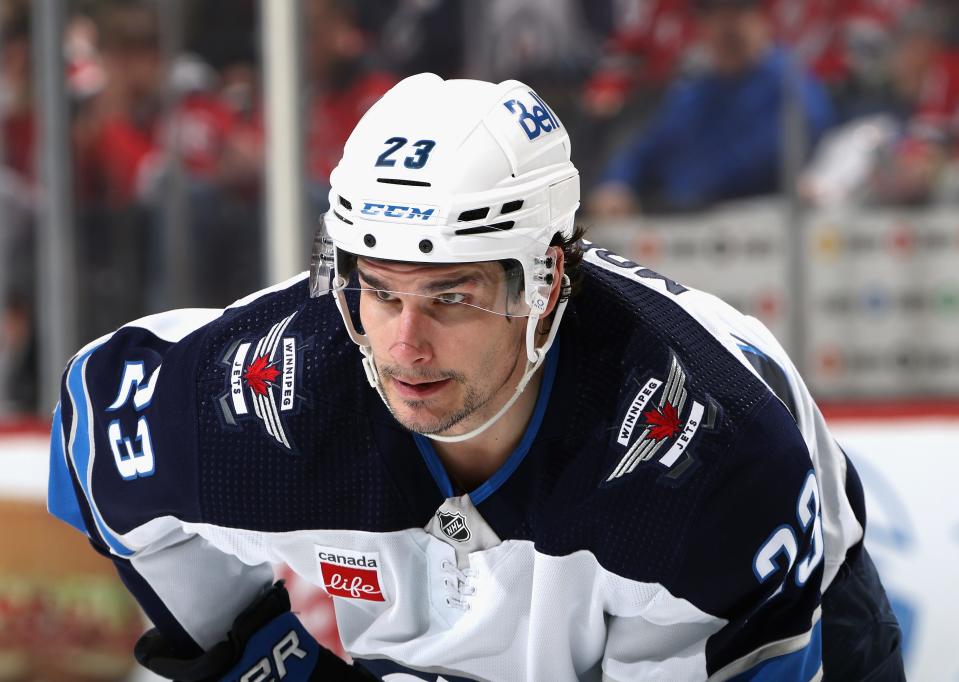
(794, 139)
(282, 79)
(56, 300)
(178, 261)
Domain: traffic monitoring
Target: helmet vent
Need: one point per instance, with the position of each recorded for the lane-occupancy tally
(346, 204)
(484, 229)
(401, 181)
(474, 213)
(348, 222)
(511, 206)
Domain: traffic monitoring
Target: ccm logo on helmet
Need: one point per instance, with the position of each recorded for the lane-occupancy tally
(397, 211)
(534, 119)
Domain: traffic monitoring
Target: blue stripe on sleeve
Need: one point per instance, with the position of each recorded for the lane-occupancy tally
(61, 497)
(81, 448)
(799, 665)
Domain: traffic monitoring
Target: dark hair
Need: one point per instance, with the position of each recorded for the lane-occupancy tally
(572, 258)
(573, 253)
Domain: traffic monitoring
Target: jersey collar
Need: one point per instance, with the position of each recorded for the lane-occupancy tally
(501, 475)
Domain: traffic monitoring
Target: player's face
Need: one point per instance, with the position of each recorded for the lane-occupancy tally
(446, 363)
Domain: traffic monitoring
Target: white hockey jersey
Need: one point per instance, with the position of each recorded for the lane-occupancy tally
(674, 511)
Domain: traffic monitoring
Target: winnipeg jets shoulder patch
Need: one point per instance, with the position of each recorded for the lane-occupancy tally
(661, 423)
(264, 377)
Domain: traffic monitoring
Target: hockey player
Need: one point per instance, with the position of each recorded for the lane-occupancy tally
(545, 462)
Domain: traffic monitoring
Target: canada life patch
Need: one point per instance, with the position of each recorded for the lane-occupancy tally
(667, 421)
(263, 377)
(349, 574)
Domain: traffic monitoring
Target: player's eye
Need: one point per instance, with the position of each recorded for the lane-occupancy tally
(383, 295)
(451, 298)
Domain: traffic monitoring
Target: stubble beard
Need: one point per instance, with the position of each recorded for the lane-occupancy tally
(473, 401)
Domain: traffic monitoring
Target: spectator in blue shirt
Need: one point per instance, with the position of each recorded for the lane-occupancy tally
(717, 135)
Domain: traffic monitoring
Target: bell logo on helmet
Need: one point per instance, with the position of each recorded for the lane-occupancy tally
(384, 210)
(535, 119)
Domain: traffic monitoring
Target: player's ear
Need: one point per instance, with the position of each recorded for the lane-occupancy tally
(557, 253)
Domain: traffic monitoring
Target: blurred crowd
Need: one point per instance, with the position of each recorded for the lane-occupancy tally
(672, 105)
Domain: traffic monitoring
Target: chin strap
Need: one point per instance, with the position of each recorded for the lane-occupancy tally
(531, 368)
(536, 357)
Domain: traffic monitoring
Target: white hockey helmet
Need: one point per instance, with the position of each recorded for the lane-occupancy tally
(455, 171)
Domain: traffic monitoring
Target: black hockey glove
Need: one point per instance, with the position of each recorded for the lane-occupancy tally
(267, 642)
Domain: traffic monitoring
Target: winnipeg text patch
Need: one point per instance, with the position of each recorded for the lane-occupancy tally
(667, 420)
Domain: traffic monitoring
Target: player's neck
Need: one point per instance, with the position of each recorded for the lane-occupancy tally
(473, 461)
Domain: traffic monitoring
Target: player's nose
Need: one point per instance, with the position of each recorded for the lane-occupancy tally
(410, 345)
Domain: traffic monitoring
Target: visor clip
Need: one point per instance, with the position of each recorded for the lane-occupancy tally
(322, 264)
(543, 269)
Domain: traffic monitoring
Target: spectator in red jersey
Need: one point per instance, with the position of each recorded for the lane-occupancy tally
(16, 103)
(343, 85)
(899, 137)
(151, 119)
(17, 174)
(820, 31)
(231, 51)
(647, 41)
(924, 73)
(241, 162)
(118, 128)
(124, 128)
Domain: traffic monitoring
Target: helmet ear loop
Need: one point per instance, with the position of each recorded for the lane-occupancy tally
(532, 353)
(533, 329)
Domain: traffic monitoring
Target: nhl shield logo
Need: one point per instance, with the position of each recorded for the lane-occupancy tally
(454, 526)
(262, 381)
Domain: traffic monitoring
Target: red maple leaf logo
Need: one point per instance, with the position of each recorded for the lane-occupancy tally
(260, 373)
(664, 422)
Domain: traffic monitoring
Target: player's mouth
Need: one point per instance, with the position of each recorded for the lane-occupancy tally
(417, 389)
